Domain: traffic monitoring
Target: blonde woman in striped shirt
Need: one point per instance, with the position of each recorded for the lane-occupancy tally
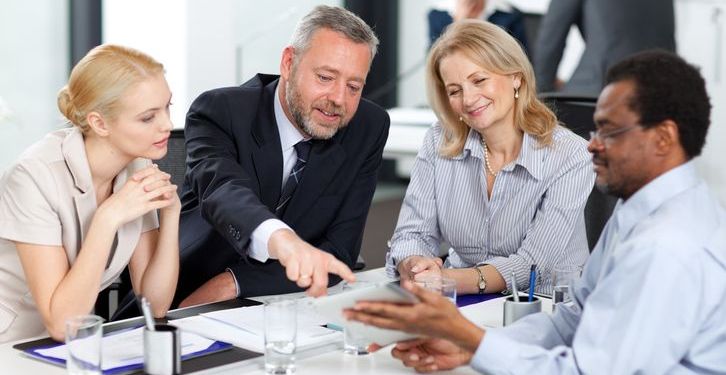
(497, 178)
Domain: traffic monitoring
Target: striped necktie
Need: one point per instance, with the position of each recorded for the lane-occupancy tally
(303, 151)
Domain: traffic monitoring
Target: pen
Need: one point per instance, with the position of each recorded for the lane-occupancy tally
(515, 292)
(146, 310)
(532, 277)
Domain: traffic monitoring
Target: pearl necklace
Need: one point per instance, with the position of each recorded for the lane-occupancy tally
(486, 159)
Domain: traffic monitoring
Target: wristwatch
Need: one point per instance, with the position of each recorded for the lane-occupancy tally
(482, 281)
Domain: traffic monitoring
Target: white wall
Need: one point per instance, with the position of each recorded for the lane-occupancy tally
(700, 32)
(33, 66)
(413, 43)
(158, 28)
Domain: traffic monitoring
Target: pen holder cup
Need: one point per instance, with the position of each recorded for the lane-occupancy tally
(513, 311)
(162, 350)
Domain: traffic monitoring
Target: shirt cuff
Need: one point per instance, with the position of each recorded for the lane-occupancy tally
(236, 283)
(496, 353)
(261, 236)
(505, 266)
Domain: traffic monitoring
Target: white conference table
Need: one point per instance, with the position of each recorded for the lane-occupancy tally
(325, 360)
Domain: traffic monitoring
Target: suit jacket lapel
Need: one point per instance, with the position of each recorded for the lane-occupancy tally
(326, 158)
(266, 148)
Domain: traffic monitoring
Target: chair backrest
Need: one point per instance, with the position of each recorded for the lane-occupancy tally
(174, 162)
(575, 112)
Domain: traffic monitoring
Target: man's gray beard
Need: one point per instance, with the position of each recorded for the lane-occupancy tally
(292, 97)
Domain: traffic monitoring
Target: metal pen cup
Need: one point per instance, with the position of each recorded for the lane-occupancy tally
(162, 350)
(513, 311)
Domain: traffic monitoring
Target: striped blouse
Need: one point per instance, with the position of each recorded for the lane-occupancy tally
(534, 216)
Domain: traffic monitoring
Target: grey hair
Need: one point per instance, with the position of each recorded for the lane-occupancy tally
(336, 19)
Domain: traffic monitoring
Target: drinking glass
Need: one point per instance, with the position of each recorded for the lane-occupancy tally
(83, 341)
(562, 278)
(355, 340)
(280, 336)
(445, 286)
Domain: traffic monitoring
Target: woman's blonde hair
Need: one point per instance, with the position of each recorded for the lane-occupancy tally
(495, 50)
(99, 80)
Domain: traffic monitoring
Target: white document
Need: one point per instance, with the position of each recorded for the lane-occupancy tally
(331, 309)
(126, 348)
(244, 327)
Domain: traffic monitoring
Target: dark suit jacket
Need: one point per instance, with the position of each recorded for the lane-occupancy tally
(234, 180)
(612, 30)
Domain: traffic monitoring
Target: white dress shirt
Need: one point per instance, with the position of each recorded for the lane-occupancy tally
(652, 298)
(289, 137)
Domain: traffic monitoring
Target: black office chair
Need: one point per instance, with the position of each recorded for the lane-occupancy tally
(174, 162)
(575, 113)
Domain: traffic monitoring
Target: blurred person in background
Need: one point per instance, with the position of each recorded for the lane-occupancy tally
(612, 30)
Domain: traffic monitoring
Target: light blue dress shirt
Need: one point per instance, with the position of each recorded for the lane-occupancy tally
(652, 298)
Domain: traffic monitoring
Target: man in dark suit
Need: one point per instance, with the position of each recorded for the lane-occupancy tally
(281, 170)
(612, 30)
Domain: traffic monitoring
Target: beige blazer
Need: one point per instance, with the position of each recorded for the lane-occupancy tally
(47, 198)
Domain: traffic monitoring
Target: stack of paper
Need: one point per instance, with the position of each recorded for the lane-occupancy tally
(244, 327)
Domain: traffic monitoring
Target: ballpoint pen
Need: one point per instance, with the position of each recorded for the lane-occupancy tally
(146, 310)
(515, 291)
(532, 278)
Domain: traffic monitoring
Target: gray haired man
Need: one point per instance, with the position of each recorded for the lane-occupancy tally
(281, 170)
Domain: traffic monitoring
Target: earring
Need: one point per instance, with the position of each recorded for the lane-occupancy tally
(461, 119)
(516, 93)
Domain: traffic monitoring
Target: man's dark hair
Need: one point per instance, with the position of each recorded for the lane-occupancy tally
(667, 87)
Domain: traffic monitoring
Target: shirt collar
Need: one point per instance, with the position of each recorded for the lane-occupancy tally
(472, 146)
(74, 153)
(289, 135)
(73, 148)
(651, 196)
(531, 154)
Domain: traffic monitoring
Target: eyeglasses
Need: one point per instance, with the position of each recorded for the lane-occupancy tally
(601, 137)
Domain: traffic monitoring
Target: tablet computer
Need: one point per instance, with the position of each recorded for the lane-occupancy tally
(331, 308)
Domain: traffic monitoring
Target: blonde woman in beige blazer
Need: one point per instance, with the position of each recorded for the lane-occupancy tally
(81, 204)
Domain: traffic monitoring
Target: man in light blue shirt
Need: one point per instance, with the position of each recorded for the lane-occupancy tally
(652, 297)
